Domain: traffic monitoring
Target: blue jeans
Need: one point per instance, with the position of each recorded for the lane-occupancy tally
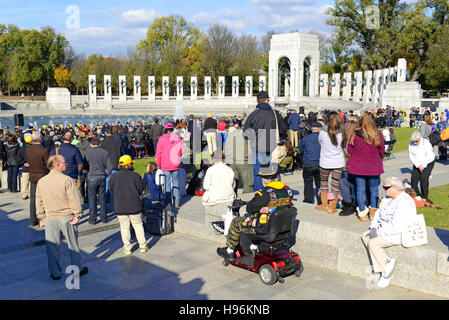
(94, 187)
(372, 199)
(172, 186)
(155, 145)
(13, 172)
(108, 194)
(259, 159)
(347, 187)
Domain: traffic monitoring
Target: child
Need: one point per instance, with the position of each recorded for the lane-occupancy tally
(150, 185)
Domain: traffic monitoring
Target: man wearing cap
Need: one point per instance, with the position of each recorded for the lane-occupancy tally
(126, 187)
(275, 195)
(168, 155)
(25, 178)
(260, 127)
(310, 149)
(100, 166)
(210, 130)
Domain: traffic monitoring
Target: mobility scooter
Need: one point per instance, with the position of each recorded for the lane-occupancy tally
(274, 260)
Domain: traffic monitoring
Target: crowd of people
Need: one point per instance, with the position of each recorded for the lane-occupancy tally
(340, 154)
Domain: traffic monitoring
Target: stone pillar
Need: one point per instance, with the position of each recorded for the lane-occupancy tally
(235, 87)
(137, 88)
(377, 86)
(92, 88)
(248, 86)
(151, 88)
(324, 83)
(207, 87)
(262, 83)
(107, 88)
(122, 88)
(347, 85)
(298, 86)
(221, 87)
(179, 88)
(272, 83)
(165, 88)
(193, 88)
(335, 84)
(366, 84)
(357, 84)
(402, 70)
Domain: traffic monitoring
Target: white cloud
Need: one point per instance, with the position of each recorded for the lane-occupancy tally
(136, 18)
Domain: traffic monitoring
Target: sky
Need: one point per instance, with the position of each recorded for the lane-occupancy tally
(110, 27)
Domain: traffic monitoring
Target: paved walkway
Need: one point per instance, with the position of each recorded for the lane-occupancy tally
(177, 266)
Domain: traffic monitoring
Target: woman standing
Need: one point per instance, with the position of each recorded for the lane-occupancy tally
(332, 161)
(221, 127)
(12, 163)
(366, 149)
(423, 158)
(426, 125)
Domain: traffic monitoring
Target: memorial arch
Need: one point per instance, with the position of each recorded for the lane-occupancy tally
(302, 52)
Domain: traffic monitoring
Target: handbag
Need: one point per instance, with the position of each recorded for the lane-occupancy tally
(278, 153)
(415, 234)
(434, 138)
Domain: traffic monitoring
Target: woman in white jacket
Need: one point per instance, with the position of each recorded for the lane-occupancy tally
(423, 158)
(390, 220)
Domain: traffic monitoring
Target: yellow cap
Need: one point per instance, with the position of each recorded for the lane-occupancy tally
(28, 139)
(209, 115)
(124, 160)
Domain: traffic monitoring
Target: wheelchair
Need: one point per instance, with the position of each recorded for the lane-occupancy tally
(274, 260)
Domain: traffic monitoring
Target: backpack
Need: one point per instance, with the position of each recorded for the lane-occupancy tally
(444, 134)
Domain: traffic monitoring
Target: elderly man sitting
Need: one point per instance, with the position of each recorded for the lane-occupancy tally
(390, 220)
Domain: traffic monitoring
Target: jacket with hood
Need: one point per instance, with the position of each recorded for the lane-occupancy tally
(261, 125)
(169, 150)
(11, 154)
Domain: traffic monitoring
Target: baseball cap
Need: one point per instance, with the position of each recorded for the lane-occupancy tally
(124, 160)
(209, 114)
(317, 125)
(168, 125)
(94, 140)
(270, 171)
(263, 95)
(28, 139)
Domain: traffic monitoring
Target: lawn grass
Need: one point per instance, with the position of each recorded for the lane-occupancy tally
(437, 218)
(402, 138)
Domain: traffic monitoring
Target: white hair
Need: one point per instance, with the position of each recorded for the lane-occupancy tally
(395, 182)
(415, 136)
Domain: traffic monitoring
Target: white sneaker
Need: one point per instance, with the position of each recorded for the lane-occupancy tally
(390, 264)
(383, 282)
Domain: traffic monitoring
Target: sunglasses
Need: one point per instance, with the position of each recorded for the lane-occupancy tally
(386, 187)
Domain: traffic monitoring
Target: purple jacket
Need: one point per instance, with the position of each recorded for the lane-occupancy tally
(365, 159)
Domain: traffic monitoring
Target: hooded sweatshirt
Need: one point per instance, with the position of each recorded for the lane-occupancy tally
(169, 150)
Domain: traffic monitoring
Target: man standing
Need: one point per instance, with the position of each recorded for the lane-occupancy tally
(260, 128)
(294, 120)
(100, 166)
(2, 155)
(25, 179)
(156, 132)
(113, 147)
(168, 156)
(310, 149)
(72, 156)
(210, 129)
(58, 207)
(36, 156)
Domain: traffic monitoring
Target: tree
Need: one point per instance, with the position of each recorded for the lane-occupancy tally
(79, 74)
(248, 58)
(437, 65)
(62, 76)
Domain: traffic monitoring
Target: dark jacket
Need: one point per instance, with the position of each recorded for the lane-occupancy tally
(156, 131)
(72, 156)
(210, 125)
(259, 127)
(126, 187)
(37, 157)
(11, 154)
(310, 148)
(293, 121)
(21, 157)
(99, 163)
(114, 149)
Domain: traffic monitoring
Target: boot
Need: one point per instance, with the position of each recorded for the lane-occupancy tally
(348, 209)
(332, 206)
(372, 212)
(323, 206)
(362, 215)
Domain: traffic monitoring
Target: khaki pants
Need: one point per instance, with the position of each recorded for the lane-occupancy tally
(211, 142)
(294, 138)
(25, 182)
(136, 221)
(376, 248)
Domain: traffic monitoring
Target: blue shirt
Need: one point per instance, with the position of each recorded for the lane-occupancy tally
(72, 157)
(293, 121)
(310, 148)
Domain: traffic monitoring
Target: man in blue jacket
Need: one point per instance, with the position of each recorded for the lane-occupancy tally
(310, 149)
(294, 121)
